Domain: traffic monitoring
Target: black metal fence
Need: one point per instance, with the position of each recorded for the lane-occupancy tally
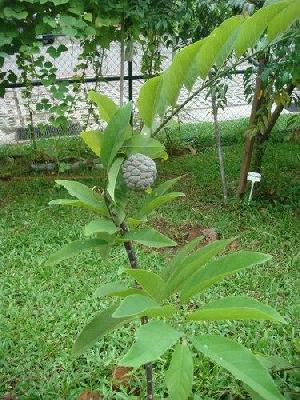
(14, 116)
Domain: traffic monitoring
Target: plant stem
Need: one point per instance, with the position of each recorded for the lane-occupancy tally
(131, 254)
(219, 150)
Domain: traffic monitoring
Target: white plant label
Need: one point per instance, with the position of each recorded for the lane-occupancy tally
(253, 177)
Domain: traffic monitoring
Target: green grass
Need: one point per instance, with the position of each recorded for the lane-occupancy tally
(43, 308)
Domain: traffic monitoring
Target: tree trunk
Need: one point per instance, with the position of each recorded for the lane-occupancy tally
(219, 150)
(122, 64)
(250, 138)
(261, 139)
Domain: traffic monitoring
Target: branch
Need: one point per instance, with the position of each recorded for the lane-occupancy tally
(207, 83)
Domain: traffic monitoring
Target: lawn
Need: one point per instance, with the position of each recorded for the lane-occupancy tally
(44, 308)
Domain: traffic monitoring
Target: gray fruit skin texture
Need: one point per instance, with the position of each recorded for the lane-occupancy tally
(139, 172)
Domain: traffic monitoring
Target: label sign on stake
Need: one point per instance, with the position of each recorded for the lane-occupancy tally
(253, 177)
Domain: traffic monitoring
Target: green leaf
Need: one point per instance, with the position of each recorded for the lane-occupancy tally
(106, 107)
(93, 139)
(152, 341)
(145, 145)
(148, 100)
(101, 225)
(135, 305)
(240, 362)
(149, 237)
(219, 269)
(18, 13)
(218, 45)
(179, 376)
(112, 176)
(165, 186)
(254, 27)
(73, 203)
(280, 23)
(180, 257)
(152, 203)
(117, 289)
(74, 248)
(150, 282)
(96, 329)
(183, 70)
(114, 134)
(183, 271)
(84, 194)
(236, 308)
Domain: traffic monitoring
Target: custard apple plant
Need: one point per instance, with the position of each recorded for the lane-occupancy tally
(159, 300)
(166, 302)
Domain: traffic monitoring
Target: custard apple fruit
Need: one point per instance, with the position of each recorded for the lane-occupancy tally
(139, 171)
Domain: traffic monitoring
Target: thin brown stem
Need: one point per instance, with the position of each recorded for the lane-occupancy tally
(219, 150)
(132, 257)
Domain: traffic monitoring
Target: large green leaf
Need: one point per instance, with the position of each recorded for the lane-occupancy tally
(180, 257)
(74, 248)
(254, 27)
(216, 270)
(100, 225)
(236, 308)
(152, 341)
(218, 44)
(145, 145)
(106, 107)
(183, 70)
(148, 99)
(134, 305)
(283, 20)
(113, 175)
(152, 203)
(116, 289)
(191, 265)
(84, 194)
(179, 376)
(93, 139)
(96, 329)
(240, 362)
(114, 134)
(149, 237)
(151, 282)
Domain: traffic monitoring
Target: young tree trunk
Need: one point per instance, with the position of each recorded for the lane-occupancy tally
(261, 139)
(250, 138)
(122, 64)
(219, 150)
(131, 254)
